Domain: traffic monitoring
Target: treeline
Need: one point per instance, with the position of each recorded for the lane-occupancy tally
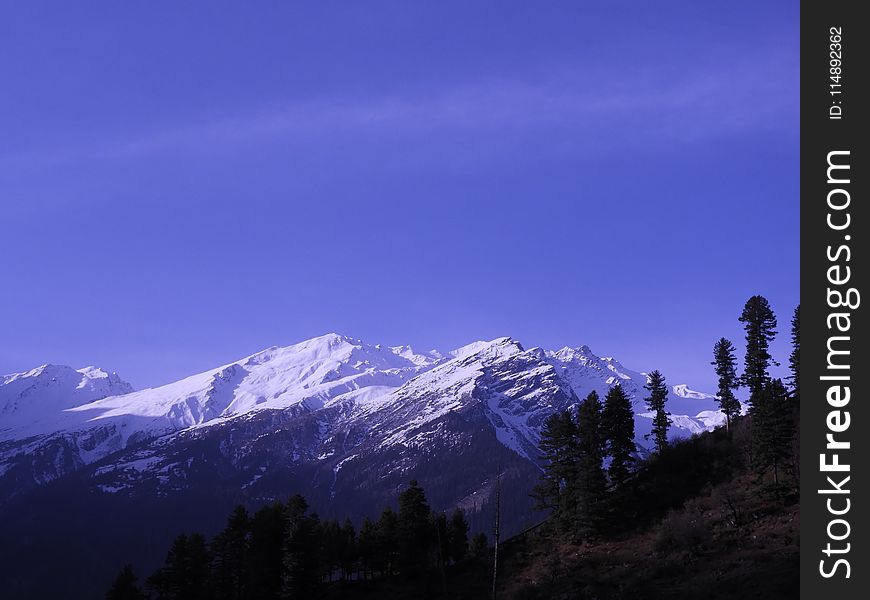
(284, 551)
(586, 498)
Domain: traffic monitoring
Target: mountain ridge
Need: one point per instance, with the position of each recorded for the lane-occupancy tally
(392, 396)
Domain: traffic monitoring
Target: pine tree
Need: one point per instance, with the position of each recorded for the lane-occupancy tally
(330, 548)
(725, 361)
(591, 481)
(759, 322)
(266, 564)
(617, 421)
(479, 547)
(557, 489)
(442, 541)
(415, 531)
(301, 573)
(229, 556)
(184, 574)
(387, 529)
(794, 359)
(655, 402)
(457, 536)
(367, 546)
(125, 586)
(348, 549)
(772, 429)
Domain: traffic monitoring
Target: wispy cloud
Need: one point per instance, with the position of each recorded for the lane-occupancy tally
(638, 108)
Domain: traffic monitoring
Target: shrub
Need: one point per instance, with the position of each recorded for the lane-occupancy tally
(683, 530)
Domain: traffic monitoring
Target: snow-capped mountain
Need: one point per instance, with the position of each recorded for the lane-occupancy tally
(50, 389)
(345, 423)
(332, 401)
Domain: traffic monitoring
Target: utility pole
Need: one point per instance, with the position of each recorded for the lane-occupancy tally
(497, 523)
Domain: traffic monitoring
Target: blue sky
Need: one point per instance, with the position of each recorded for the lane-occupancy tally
(185, 184)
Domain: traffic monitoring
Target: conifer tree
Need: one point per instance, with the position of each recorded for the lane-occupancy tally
(794, 359)
(591, 482)
(367, 546)
(457, 536)
(229, 551)
(330, 548)
(301, 573)
(348, 549)
(479, 549)
(266, 556)
(655, 402)
(759, 322)
(415, 531)
(184, 574)
(125, 586)
(725, 362)
(557, 489)
(442, 542)
(387, 529)
(617, 420)
(772, 429)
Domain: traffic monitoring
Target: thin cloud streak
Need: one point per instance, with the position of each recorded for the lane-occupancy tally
(687, 111)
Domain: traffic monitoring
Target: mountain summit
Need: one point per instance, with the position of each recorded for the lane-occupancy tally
(333, 399)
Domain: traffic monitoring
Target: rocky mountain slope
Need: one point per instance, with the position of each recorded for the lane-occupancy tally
(322, 403)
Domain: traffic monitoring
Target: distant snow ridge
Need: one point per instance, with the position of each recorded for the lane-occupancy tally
(393, 395)
(49, 389)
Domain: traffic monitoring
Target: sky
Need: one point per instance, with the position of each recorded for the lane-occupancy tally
(185, 184)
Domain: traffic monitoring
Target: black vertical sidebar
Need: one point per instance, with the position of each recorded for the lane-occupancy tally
(835, 372)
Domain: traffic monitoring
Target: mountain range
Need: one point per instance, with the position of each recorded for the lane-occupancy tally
(331, 400)
(343, 422)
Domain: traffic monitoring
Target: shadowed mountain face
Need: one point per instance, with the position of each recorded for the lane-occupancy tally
(342, 422)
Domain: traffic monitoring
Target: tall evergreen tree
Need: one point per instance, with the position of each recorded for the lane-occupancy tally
(725, 361)
(367, 546)
(301, 573)
(759, 322)
(794, 359)
(617, 421)
(125, 586)
(442, 542)
(330, 548)
(415, 530)
(591, 480)
(772, 429)
(479, 549)
(229, 551)
(655, 402)
(348, 549)
(185, 572)
(457, 536)
(557, 489)
(266, 552)
(387, 529)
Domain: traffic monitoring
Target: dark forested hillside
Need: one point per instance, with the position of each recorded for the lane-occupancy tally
(696, 519)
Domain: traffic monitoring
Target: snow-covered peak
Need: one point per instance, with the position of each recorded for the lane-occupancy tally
(330, 350)
(683, 391)
(424, 359)
(312, 373)
(495, 346)
(53, 388)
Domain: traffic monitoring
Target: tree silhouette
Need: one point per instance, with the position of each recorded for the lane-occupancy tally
(125, 586)
(617, 421)
(725, 361)
(655, 402)
(759, 322)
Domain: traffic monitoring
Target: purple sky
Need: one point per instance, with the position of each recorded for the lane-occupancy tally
(183, 185)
